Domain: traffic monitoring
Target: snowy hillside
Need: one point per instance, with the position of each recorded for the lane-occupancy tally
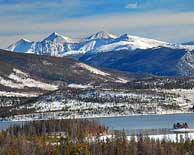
(87, 102)
(32, 75)
(23, 77)
(24, 85)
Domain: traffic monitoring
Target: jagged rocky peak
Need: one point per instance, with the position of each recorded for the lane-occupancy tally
(58, 37)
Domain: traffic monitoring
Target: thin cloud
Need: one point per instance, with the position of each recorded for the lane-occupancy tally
(132, 6)
(160, 25)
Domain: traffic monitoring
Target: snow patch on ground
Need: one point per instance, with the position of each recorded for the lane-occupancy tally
(73, 52)
(17, 71)
(92, 69)
(169, 137)
(15, 94)
(10, 83)
(121, 80)
(79, 86)
(24, 80)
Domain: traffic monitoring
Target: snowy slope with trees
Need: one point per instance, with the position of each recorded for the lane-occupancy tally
(149, 96)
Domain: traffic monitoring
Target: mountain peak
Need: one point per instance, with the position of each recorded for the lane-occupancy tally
(102, 35)
(58, 37)
(55, 34)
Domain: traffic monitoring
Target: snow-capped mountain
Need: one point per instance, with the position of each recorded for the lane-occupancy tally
(59, 45)
(54, 45)
(128, 42)
(55, 37)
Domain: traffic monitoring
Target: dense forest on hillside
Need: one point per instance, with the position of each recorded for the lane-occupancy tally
(74, 137)
(156, 83)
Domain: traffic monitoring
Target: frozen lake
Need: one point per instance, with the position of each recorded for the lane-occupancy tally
(147, 121)
(136, 122)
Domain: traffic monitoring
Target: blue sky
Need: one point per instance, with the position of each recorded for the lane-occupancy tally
(168, 20)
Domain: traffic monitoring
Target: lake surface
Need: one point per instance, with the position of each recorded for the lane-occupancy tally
(136, 122)
(147, 121)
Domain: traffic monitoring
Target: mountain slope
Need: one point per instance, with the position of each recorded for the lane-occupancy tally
(157, 61)
(28, 75)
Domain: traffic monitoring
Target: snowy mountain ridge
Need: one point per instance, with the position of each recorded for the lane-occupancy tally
(59, 45)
